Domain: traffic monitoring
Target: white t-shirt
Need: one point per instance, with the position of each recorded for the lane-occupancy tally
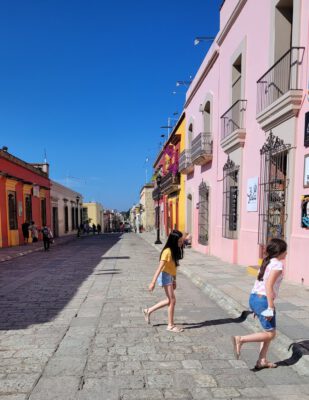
(260, 286)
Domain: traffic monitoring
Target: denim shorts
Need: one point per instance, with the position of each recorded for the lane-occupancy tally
(165, 279)
(258, 303)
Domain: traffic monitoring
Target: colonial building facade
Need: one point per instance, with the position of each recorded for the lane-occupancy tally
(66, 207)
(247, 136)
(24, 196)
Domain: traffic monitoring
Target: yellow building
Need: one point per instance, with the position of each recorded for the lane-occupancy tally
(172, 213)
(93, 213)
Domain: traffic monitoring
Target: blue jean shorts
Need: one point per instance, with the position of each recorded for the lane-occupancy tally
(165, 279)
(258, 303)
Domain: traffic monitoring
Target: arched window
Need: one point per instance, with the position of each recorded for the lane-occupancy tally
(207, 117)
(190, 136)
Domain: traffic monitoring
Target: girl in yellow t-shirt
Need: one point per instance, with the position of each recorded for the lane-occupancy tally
(166, 277)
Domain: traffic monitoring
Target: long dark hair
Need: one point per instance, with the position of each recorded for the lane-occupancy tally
(274, 248)
(172, 244)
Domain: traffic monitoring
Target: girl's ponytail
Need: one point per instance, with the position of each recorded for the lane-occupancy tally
(265, 262)
(273, 249)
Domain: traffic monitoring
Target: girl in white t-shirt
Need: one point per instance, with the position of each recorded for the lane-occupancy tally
(261, 301)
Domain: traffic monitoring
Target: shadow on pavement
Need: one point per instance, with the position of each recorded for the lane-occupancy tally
(35, 288)
(299, 349)
(243, 316)
(115, 258)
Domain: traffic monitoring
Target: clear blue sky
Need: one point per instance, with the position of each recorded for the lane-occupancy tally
(91, 82)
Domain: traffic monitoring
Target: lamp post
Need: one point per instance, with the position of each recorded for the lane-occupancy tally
(199, 39)
(158, 179)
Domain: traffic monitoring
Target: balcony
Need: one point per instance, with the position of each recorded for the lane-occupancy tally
(201, 152)
(170, 183)
(279, 92)
(233, 132)
(185, 164)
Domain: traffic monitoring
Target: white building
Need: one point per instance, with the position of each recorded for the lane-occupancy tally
(66, 206)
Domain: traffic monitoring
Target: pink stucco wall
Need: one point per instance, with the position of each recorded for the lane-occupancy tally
(252, 33)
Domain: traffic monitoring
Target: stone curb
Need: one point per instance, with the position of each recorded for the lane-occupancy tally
(282, 342)
(24, 253)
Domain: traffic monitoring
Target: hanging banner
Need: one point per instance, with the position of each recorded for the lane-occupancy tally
(305, 212)
(252, 194)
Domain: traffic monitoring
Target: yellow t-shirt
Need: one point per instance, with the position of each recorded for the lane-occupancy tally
(170, 265)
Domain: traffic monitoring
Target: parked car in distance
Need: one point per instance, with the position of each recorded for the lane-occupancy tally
(127, 227)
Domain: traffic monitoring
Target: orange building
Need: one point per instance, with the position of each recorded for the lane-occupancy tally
(24, 196)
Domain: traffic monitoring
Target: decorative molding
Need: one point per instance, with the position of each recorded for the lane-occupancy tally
(234, 140)
(208, 67)
(274, 144)
(284, 108)
(230, 165)
(231, 21)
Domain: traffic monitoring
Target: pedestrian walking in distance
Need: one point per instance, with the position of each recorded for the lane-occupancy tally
(34, 232)
(25, 230)
(165, 275)
(262, 302)
(47, 237)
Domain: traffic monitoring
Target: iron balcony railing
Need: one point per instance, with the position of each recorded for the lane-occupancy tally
(280, 78)
(201, 148)
(233, 119)
(156, 194)
(169, 183)
(185, 163)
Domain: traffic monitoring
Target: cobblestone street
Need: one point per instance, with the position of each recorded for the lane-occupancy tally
(72, 328)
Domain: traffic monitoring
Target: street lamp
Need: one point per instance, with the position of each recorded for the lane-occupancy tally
(199, 39)
(183, 83)
(158, 179)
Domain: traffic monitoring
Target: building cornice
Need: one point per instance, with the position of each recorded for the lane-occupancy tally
(21, 163)
(171, 138)
(201, 79)
(231, 21)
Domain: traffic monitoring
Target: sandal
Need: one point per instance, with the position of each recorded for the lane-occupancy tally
(236, 346)
(146, 315)
(174, 329)
(264, 364)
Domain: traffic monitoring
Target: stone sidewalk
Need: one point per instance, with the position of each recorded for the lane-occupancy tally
(9, 253)
(229, 286)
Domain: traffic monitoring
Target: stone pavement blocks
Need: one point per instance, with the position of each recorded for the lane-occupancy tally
(204, 380)
(17, 383)
(143, 394)
(225, 393)
(192, 364)
(55, 388)
(65, 366)
(159, 381)
(174, 393)
(14, 397)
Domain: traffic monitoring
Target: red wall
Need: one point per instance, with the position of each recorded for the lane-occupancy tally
(27, 177)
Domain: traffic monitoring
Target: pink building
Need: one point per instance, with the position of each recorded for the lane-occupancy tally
(247, 136)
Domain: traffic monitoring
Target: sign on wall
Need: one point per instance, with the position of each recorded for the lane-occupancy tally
(20, 208)
(252, 194)
(306, 171)
(36, 191)
(306, 131)
(305, 212)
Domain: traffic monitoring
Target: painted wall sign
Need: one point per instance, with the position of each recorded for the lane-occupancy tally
(306, 171)
(252, 194)
(306, 132)
(305, 212)
(36, 191)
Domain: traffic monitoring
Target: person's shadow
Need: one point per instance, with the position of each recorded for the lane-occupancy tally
(299, 349)
(194, 325)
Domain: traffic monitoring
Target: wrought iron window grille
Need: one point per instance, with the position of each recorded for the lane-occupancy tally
(273, 189)
(203, 214)
(230, 200)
